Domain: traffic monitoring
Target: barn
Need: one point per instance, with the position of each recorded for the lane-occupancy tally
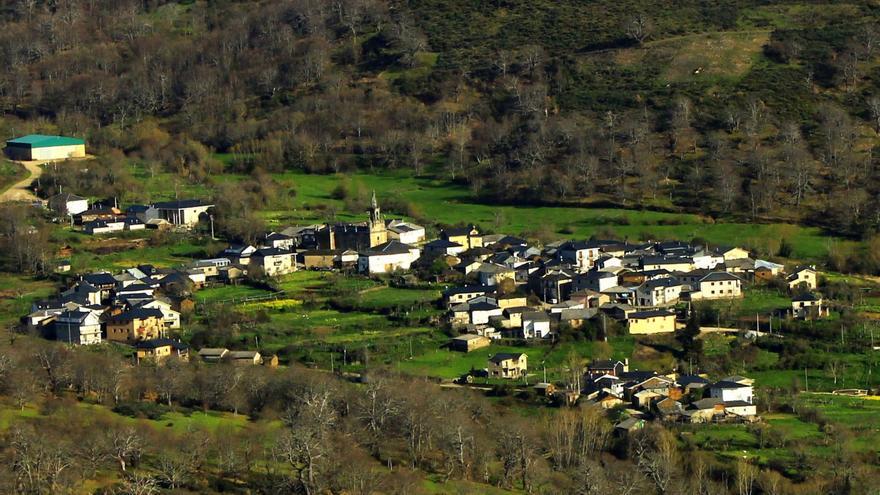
(41, 147)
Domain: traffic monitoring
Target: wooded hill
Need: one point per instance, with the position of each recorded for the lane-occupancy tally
(747, 109)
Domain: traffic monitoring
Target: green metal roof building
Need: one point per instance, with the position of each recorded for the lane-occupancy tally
(42, 147)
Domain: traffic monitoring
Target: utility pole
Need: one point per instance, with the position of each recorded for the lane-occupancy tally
(806, 381)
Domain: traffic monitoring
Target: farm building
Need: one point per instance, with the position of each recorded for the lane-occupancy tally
(41, 147)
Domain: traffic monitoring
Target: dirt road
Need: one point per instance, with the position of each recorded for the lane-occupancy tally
(19, 191)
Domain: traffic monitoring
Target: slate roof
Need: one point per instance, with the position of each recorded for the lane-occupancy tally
(66, 197)
(459, 231)
(651, 313)
(388, 248)
(156, 343)
(102, 278)
(277, 236)
(729, 385)
(442, 243)
(686, 380)
(136, 314)
(535, 316)
(465, 290)
(504, 356)
(661, 282)
(180, 204)
(806, 296)
(719, 277)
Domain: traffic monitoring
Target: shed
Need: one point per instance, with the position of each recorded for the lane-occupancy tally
(42, 147)
(469, 342)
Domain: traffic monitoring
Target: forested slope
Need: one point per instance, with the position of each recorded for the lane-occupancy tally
(741, 109)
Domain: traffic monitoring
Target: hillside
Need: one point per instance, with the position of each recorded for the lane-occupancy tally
(747, 109)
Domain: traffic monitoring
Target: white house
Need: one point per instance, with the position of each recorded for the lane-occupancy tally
(387, 257)
(278, 240)
(103, 226)
(184, 213)
(442, 247)
(803, 277)
(707, 260)
(273, 261)
(171, 317)
(731, 391)
(80, 327)
(609, 262)
(68, 204)
(582, 255)
(493, 274)
(659, 292)
(731, 253)
(596, 280)
(807, 305)
(740, 408)
(239, 253)
(535, 325)
(720, 285)
(672, 263)
(405, 232)
(482, 308)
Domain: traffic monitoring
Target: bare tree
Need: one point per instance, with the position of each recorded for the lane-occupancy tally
(656, 456)
(138, 484)
(639, 27)
(746, 474)
(126, 446)
(874, 109)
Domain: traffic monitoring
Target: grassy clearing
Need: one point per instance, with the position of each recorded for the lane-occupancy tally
(712, 56)
(389, 297)
(118, 253)
(228, 293)
(444, 363)
(794, 16)
(792, 427)
(446, 203)
(761, 300)
(854, 372)
(17, 293)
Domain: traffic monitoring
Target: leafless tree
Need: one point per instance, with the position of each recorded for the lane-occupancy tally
(639, 27)
(874, 108)
(39, 465)
(746, 475)
(126, 446)
(656, 455)
(138, 484)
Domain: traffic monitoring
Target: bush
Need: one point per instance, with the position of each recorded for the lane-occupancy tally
(148, 410)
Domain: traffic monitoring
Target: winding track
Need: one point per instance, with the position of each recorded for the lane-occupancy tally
(20, 190)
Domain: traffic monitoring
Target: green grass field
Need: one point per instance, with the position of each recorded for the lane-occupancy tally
(761, 300)
(437, 201)
(445, 203)
(444, 363)
(228, 293)
(17, 293)
(388, 297)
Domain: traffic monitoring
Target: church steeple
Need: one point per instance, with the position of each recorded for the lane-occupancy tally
(375, 211)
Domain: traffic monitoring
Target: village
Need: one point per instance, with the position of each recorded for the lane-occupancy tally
(512, 289)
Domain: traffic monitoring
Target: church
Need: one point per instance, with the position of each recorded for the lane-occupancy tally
(355, 236)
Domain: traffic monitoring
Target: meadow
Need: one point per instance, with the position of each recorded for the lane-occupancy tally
(436, 201)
